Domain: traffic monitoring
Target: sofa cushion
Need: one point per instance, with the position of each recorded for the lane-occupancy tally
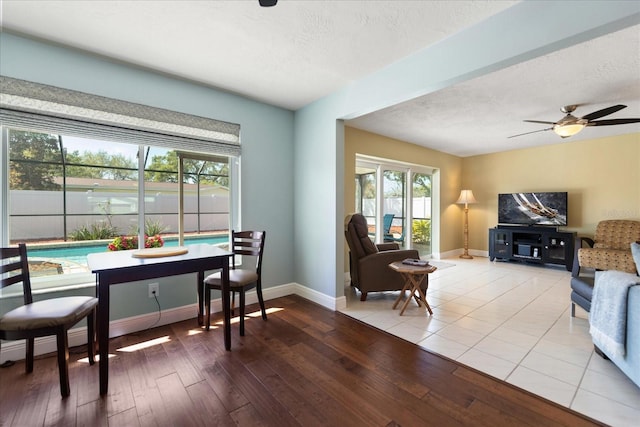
(388, 246)
(635, 251)
(616, 234)
(607, 259)
(583, 286)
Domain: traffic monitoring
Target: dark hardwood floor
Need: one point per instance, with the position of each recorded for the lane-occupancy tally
(305, 366)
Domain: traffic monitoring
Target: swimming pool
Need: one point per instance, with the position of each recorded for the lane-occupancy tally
(73, 257)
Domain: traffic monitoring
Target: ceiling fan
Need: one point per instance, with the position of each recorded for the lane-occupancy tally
(570, 125)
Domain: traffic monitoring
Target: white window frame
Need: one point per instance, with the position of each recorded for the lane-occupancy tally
(381, 165)
(70, 281)
(36, 107)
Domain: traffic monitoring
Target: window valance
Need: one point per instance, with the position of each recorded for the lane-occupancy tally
(35, 106)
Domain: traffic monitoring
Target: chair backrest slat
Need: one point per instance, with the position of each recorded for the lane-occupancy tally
(16, 271)
(12, 266)
(249, 243)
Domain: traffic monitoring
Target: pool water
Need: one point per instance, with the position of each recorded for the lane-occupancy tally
(74, 258)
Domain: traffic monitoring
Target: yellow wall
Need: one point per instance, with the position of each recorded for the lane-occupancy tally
(370, 144)
(602, 177)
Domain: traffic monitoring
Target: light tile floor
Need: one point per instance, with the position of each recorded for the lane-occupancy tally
(512, 321)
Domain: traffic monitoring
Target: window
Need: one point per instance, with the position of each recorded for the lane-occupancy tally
(394, 204)
(78, 169)
(421, 213)
(398, 196)
(70, 196)
(366, 194)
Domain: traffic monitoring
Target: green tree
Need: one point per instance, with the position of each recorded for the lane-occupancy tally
(421, 185)
(112, 166)
(215, 173)
(368, 182)
(394, 184)
(164, 168)
(35, 161)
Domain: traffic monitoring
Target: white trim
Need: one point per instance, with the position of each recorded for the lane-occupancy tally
(457, 252)
(14, 350)
(326, 301)
(4, 177)
(409, 169)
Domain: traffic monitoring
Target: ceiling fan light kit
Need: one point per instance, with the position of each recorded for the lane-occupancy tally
(570, 125)
(565, 131)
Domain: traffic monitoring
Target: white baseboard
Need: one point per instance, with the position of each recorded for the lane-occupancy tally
(457, 252)
(15, 350)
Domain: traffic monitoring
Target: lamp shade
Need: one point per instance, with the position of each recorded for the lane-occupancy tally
(466, 197)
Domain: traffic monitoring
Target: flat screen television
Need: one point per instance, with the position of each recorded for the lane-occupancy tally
(542, 208)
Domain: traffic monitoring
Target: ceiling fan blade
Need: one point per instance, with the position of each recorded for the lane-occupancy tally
(612, 122)
(538, 121)
(527, 133)
(603, 112)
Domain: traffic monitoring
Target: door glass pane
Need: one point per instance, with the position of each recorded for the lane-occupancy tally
(366, 196)
(394, 214)
(421, 217)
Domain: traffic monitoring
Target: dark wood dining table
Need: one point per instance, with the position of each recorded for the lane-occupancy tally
(118, 267)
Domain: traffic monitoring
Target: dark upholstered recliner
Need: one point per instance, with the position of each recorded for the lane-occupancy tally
(608, 250)
(369, 263)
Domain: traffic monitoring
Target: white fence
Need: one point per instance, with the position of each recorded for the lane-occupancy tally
(40, 214)
(421, 207)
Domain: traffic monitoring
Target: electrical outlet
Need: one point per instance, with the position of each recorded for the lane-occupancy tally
(154, 290)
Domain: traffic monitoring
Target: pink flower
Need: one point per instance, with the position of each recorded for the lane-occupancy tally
(122, 243)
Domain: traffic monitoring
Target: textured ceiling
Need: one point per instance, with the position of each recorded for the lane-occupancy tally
(299, 51)
(478, 116)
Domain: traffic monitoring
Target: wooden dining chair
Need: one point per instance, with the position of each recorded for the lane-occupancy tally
(249, 245)
(53, 316)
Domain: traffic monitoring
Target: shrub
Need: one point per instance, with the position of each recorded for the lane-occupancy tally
(421, 230)
(151, 228)
(96, 231)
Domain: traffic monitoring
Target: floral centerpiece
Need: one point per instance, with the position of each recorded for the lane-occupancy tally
(123, 243)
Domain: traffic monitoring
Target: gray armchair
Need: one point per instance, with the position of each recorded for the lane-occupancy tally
(369, 263)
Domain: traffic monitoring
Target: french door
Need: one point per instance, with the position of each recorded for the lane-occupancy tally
(396, 200)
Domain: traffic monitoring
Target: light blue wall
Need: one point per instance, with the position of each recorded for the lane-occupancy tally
(267, 149)
(524, 31)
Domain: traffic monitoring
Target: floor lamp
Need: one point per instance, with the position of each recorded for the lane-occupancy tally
(466, 198)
